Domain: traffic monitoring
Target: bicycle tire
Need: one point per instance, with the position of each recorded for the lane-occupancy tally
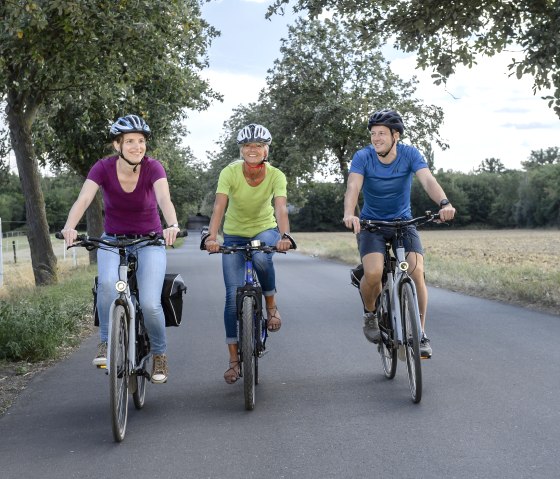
(142, 350)
(248, 352)
(411, 337)
(386, 347)
(118, 373)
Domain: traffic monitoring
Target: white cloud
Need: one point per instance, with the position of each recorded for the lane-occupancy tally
(487, 113)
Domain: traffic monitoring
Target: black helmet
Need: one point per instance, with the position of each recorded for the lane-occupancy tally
(389, 118)
(130, 124)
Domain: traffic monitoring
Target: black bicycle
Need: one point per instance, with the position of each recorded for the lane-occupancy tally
(128, 350)
(397, 306)
(252, 329)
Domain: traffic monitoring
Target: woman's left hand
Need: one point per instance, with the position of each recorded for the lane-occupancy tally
(284, 244)
(170, 235)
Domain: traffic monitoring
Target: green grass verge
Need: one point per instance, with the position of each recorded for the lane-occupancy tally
(35, 323)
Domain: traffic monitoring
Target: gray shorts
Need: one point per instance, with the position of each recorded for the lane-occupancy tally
(374, 241)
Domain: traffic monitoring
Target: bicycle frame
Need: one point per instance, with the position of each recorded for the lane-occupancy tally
(393, 285)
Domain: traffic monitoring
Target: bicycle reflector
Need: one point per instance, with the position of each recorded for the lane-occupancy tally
(120, 286)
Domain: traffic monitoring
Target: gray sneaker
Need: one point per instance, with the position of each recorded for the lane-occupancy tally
(101, 359)
(160, 369)
(425, 348)
(371, 328)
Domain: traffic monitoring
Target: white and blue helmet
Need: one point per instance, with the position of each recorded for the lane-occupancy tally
(130, 124)
(254, 133)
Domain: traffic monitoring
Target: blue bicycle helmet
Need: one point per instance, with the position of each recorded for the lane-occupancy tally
(389, 118)
(254, 133)
(130, 124)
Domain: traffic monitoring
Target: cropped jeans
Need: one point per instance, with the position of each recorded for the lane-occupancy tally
(152, 262)
(233, 266)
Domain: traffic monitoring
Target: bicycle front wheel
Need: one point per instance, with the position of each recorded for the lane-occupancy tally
(386, 346)
(248, 352)
(118, 373)
(411, 335)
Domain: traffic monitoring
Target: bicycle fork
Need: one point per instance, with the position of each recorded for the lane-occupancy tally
(124, 300)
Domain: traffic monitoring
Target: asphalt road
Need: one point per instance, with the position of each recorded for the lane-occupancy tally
(490, 407)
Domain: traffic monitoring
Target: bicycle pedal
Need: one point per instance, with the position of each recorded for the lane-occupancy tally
(101, 366)
(425, 357)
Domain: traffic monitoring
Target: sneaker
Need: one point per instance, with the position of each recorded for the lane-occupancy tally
(101, 359)
(425, 348)
(371, 328)
(160, 369)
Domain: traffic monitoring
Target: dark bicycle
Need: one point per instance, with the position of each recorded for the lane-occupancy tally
(252, 323)
(128, 350)
(397, 306)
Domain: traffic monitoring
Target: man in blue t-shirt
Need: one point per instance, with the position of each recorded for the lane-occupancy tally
(383, 171)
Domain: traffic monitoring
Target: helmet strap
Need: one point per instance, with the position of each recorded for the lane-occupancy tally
(135, 165)
(383, 155)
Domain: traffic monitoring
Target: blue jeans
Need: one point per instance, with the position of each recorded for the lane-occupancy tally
(150, 274)
(233, 266)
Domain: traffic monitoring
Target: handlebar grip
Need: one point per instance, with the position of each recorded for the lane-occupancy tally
(59, 235)
(182, 234)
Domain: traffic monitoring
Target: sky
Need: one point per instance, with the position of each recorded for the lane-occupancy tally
(487, 113)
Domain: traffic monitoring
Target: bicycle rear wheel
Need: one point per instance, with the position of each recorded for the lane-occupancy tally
(118, 373)
(142, 350)
(248, 352)
(386, 347)
(411, 335)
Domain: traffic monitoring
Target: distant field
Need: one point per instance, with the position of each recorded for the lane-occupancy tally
(518, 266)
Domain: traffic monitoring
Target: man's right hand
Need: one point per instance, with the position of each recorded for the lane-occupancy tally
(352, 223)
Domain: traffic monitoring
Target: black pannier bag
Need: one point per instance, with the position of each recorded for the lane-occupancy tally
(172, 298)
(356, 275)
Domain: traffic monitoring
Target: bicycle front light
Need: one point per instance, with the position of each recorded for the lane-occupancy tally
(120, 286)
(403, 265)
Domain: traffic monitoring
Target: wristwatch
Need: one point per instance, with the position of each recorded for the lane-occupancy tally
(444, 202)
(176, 225)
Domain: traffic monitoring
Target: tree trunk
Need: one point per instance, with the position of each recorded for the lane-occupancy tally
(43, 259)
(94, 220)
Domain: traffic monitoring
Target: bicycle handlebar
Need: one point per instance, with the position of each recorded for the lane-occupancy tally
(120, 241)
(248, 247)
(420, 220)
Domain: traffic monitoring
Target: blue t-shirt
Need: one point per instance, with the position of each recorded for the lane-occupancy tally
(386, 188)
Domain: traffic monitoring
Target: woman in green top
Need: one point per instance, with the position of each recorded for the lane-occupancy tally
(246, 191)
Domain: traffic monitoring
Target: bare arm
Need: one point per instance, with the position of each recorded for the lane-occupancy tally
(281, 213)
(435, 192)
(353, 188)
(163, 197)
(220, 205)
(86, 196)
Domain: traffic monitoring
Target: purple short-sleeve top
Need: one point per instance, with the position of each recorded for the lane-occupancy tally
(129, 213)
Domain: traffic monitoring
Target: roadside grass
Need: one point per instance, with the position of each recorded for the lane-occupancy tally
(38, 324)
(516, 266)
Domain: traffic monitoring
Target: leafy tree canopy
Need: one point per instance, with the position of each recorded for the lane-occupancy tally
(447, 34)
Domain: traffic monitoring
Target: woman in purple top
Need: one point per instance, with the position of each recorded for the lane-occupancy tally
(133, 186)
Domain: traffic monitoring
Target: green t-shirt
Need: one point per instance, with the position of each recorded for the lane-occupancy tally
(250, 209)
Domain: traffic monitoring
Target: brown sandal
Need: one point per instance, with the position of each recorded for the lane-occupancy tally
(274, 321)
(232, 374)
